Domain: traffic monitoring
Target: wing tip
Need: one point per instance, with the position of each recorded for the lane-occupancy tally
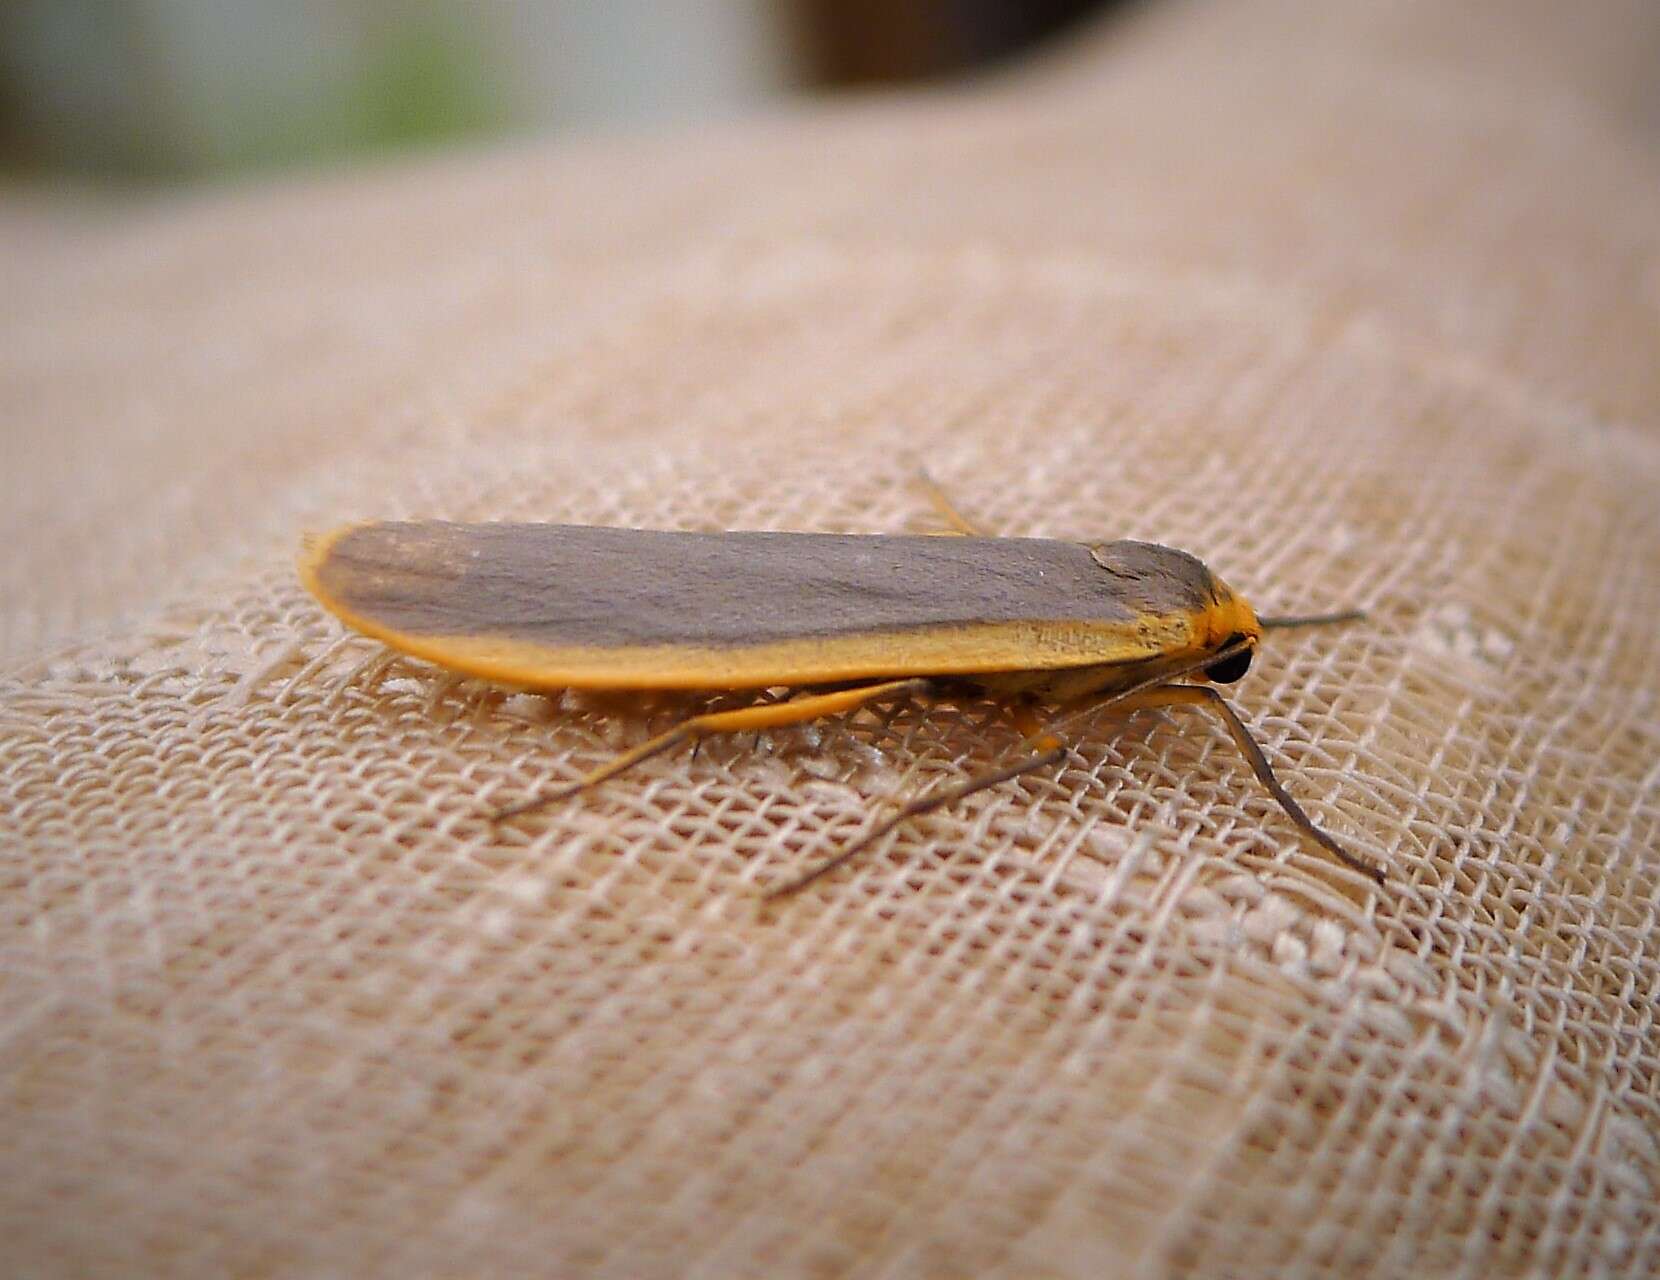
(312, 561)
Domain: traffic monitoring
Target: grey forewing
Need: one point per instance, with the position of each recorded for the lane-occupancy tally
(579, 585)
(1155, 579)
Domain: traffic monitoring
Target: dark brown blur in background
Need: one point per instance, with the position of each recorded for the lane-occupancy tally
(156, 91)
(865, 41)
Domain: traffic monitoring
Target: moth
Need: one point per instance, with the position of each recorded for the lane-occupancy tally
(842, 619)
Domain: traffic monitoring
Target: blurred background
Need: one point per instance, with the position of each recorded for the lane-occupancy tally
(162, 91)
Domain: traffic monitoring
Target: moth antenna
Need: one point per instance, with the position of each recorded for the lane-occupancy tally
(1282, 621)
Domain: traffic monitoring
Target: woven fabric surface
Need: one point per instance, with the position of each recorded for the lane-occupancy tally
(1360, 302)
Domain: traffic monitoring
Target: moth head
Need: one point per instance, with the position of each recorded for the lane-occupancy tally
(1232, 625)
(1235, 665)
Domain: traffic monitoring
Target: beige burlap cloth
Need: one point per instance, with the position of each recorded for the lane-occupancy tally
(1360, 302)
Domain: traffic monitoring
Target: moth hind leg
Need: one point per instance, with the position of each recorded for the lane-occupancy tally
(915, 809)
(770, 715)
(960, 525)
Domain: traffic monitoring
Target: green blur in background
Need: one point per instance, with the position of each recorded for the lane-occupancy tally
(159, 91)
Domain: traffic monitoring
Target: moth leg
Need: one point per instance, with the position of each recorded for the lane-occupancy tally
(923, 804)
(961, 525)
(1037, 736)
(767, 716)
(1203, 696)
(1036, 729)
(1050, 751)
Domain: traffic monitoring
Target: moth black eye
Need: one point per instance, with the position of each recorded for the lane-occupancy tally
(1230, 669)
